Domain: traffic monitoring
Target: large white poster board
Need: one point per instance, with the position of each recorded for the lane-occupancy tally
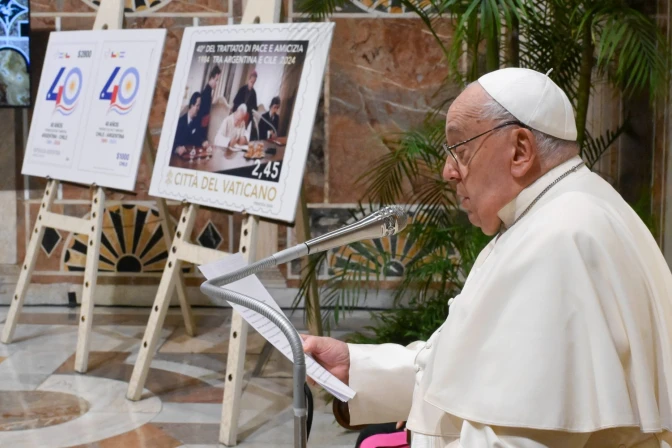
(240, 116)
(92, 106)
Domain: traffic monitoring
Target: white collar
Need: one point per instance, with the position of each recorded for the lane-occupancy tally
(511, 211)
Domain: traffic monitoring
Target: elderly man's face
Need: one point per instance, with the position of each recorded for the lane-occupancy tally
(491, 175)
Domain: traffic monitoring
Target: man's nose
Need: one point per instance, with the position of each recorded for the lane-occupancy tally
(450, 171)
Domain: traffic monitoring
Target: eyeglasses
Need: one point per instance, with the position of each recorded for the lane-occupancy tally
(459, 159)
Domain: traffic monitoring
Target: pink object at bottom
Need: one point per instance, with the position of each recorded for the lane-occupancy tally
(394, 440)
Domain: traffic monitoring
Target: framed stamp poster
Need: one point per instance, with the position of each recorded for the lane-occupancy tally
(240, 115)
(92, 106)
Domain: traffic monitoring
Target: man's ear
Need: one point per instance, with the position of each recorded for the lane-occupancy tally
(524, 152)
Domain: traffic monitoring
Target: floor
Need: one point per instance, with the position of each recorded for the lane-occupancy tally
(45, 403)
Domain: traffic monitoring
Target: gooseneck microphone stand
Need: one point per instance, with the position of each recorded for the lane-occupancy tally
(212, 288)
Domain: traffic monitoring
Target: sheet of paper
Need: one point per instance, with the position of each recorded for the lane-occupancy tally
(252, 287)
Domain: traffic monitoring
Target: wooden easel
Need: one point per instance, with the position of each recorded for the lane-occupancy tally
(110, 16)
(253, 236)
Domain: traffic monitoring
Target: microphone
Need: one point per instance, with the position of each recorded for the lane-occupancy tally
(387, 221)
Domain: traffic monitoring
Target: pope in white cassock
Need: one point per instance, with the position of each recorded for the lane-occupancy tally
(561, 336)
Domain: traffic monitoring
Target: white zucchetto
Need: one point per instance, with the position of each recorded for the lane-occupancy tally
(534, 99)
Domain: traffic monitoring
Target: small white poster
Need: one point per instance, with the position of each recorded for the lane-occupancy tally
(59, 109)
(240, 116)
(92, 106)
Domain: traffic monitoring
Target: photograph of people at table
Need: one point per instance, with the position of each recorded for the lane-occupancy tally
(237, 107)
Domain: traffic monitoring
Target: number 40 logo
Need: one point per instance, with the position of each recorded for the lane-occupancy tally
(65, 90)
(121, 94)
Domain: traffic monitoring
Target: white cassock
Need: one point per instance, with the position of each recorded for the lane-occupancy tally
(228, 132)
(561, 336)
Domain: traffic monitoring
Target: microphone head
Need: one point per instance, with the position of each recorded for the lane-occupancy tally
(387, 221)
(394, 220)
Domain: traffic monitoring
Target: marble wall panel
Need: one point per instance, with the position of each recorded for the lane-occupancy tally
(44, 6)
(41, 23)
(384, 78)
(74, 6)
(72, 23)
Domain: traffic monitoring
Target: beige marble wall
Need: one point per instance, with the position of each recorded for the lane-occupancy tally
(384, 74)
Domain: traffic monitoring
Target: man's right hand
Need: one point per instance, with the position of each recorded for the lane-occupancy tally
(330, 353)
(181, 150)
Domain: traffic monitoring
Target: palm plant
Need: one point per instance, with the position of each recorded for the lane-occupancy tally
(577, 39)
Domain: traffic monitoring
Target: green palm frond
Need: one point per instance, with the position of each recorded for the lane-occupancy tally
(309, 274)
(411, 156)
(404, 325)
(386, 178)
(340, 292)
(547, 42)
(319, 9)
(473, 21)
(349, 283)
(629, 47)
(595, 147)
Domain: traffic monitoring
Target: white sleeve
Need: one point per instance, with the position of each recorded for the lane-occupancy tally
(476, 435)
(384, 378)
